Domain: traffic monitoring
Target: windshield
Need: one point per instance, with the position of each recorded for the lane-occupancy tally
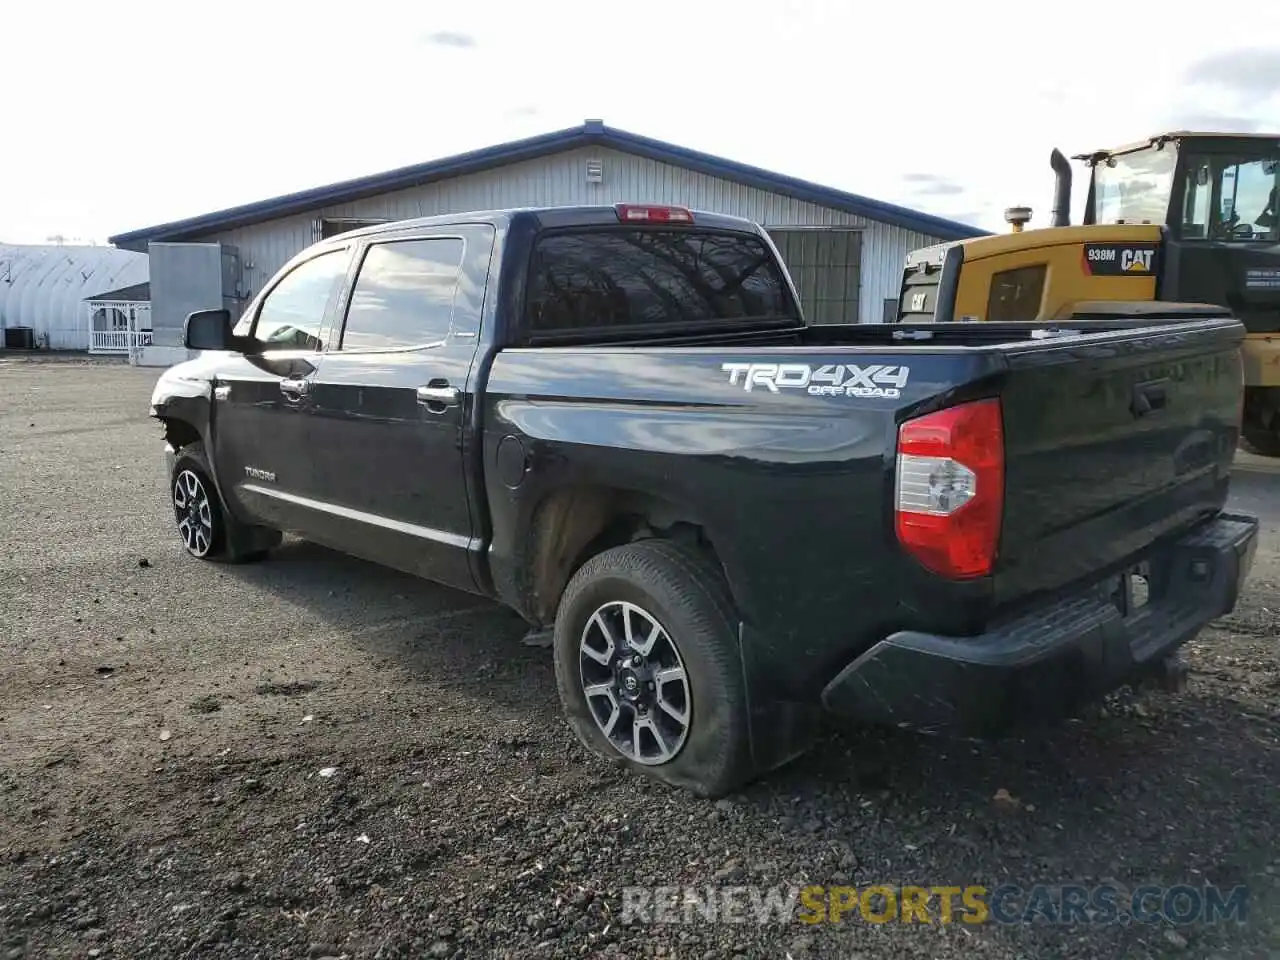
(1134, 187)
(1230, 196)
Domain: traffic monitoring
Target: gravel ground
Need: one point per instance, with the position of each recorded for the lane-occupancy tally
(315, 757)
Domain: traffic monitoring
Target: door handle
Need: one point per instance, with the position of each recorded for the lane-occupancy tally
(438, 397)
(1150, 396)
(295, 389)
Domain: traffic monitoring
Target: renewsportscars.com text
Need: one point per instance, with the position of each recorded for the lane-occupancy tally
(1007, 904)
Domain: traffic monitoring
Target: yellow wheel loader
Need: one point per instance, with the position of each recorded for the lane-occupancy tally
(1171, 224)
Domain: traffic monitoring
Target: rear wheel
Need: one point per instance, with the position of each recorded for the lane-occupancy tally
(648, 670)
(1263, 441)
(1261, 426)
(205, 528)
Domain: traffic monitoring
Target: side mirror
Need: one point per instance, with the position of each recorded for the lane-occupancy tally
(208, 330)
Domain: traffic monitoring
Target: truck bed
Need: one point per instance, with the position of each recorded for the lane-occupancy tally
(758, 438)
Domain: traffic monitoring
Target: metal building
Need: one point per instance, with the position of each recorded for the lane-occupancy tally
(47, 289)
(844, 251)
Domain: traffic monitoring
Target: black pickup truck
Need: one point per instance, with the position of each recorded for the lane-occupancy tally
(616, 421)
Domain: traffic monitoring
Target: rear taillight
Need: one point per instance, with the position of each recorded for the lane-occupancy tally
(648, 213)
(949, 489)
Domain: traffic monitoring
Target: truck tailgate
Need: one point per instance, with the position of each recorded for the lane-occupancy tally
(1111, 444)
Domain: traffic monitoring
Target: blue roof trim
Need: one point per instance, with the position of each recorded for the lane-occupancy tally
(591, 133)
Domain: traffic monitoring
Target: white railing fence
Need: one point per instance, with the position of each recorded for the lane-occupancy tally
(119, 326)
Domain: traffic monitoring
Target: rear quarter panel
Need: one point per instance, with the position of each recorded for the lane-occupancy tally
(793, 488)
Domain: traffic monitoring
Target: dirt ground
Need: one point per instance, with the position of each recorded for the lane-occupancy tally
(315, 757)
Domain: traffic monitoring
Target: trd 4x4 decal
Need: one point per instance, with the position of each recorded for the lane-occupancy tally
(829, 380)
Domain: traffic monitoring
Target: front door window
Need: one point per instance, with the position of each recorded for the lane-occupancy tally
(291, 316)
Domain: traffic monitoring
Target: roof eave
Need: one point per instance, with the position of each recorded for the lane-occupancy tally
(360, 188)
(592, 132)
(875, 210)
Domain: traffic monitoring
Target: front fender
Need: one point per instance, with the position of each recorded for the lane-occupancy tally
(185, 392)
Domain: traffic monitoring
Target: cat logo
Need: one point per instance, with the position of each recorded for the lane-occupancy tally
(1136, 261)
(1119, 259)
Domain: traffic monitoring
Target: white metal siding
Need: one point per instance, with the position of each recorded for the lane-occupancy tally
(884, 250)
(561, 180)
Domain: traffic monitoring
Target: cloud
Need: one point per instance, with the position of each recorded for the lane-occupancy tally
(1250, 71)
(1210, 120)
(528, 110)
(451, 38)
(929, 184)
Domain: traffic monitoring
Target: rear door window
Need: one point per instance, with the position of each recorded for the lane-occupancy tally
(652, 278)
(403, 296)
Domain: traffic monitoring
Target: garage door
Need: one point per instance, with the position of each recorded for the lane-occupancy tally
(824, 264)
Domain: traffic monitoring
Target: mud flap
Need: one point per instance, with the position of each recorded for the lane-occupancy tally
(782, 729)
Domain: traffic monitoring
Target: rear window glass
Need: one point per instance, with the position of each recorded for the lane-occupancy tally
(647, 278)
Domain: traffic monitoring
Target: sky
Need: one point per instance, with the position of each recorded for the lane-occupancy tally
(124, 114)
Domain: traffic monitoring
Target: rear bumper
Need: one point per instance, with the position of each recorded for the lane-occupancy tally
(1038, 666)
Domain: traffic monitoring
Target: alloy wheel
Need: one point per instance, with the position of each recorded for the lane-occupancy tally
(635, 683)
(194, 512)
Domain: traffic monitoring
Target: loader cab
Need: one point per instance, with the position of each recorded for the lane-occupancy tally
(1199, 186)
(1214, 196)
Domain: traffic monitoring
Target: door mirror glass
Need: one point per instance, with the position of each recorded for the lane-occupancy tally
(208, 330)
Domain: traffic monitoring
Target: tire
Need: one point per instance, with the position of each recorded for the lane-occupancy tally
(207, 531)
(656, 582)
(1263, 441)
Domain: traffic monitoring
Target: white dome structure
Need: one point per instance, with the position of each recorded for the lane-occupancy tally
(44, 287)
